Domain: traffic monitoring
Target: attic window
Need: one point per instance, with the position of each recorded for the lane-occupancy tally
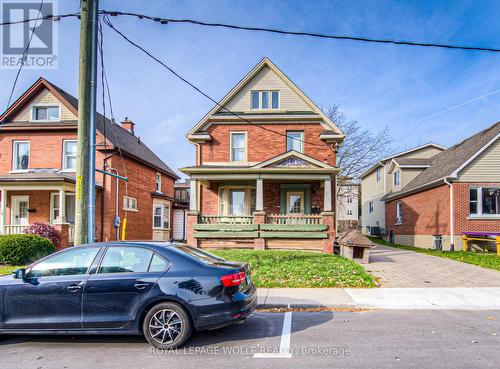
(45, 113)
(265, 100)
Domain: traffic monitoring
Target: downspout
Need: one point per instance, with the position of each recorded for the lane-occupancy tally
(452, 215)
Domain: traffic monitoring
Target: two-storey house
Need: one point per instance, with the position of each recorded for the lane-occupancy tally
(457, 193)
(38, 135)
(265, 168)
(390, 174)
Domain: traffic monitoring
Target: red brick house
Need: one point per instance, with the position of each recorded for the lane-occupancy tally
(265, 168)
(458, 191)
(37, 170)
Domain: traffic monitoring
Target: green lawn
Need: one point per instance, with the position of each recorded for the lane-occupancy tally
(7, 269)
(491, 261)
(276, 268)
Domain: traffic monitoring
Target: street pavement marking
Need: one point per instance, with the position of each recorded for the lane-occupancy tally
(285, 352)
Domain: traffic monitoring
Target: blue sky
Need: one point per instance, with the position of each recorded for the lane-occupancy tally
(379, 85)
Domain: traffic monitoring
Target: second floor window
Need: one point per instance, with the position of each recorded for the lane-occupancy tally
(158, 182)
(238, 146)
(45, 113)
(377, 174)
(265, 100)
(370, 207)
(69, 155)
(21, 155)
(295, 141)
(397, 179)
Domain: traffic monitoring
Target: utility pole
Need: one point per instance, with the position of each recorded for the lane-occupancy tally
(87, 83)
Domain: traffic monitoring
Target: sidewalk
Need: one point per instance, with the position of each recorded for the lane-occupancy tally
(461, 298)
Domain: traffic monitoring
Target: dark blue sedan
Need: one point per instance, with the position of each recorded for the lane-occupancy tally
(163, 291)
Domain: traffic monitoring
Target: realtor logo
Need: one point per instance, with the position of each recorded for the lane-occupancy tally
(32, 43)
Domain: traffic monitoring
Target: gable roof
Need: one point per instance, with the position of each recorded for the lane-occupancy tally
(448, 163)
(402, 153)
(119, 137)
(292, 154)
(238, 87)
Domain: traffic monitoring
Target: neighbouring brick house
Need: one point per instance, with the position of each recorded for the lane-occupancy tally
(458, 192)
(37, 170)
(265, 175)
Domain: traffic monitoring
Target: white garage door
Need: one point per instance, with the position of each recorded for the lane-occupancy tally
(179, 225)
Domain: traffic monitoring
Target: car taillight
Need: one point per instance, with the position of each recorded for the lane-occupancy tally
(233, 279)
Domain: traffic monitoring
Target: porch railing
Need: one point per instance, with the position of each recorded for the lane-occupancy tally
(293, 219)
(14, 229)
(223, 219)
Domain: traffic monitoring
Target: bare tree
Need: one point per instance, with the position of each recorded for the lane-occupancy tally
(360, 149)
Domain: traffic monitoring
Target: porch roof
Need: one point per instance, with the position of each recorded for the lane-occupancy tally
(32, 178)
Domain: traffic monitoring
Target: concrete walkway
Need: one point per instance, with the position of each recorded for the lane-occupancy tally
(382, 298)
(401, 268)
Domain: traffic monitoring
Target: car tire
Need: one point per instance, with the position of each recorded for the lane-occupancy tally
(167, 325)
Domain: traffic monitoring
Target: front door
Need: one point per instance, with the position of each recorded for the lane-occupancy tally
(50, 297)
(113, 295)
(19, 214)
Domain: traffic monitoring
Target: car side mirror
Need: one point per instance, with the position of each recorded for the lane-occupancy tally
(19, 274)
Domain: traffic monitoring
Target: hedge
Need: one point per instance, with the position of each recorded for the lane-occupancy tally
(18, 249)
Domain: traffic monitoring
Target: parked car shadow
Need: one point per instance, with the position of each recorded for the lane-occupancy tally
(259, 326)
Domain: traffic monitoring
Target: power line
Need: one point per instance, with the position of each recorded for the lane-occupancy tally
(51, 17)
(192, 85)
(23, 58)
(300, 33)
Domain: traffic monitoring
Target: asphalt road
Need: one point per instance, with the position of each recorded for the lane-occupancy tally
(369, 339)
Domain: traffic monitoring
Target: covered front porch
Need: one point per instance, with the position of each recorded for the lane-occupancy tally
(285, 205)
(26, 199)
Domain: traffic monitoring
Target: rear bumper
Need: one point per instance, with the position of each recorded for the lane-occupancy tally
(240, 306)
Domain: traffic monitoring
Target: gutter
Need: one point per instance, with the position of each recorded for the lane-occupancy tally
(452, 214)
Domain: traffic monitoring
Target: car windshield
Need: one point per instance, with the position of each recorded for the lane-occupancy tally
(198, 254)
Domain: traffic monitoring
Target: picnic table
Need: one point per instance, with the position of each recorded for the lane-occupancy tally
(481, 236)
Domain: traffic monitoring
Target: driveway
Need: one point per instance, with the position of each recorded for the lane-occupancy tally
(402, 268)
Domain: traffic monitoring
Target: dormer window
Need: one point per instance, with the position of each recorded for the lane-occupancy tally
(46, 113)
(265, 100)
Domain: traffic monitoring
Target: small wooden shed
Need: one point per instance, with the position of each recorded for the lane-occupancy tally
(354, 245)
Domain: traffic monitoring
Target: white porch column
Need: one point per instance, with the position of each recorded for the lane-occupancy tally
(327, 206)
(62, 207)
(259, 195)
(3, 211)
(193, 195)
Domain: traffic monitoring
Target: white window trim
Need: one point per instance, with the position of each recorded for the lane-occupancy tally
(64, 169)
(14, 156)
(301, 140)
(397, 174)
(158, 182)
(378, 174)
(480, 214)
(227, 199)
(161, 205)
(302, 201)
(126, 208)
(51, 209)
(231, 146)
(44, 105)
(270, 101)
(399, 213)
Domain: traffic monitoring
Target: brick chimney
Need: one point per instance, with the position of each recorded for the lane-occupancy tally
(128, 125)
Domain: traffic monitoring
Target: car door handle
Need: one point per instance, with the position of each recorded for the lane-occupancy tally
(74, 288)
(141, 286)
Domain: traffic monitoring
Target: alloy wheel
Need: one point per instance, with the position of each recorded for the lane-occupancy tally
(165, 326)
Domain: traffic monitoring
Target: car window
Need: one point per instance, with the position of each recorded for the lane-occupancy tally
(126, 260)
(72, 262)
(198, 254)
(158, 264)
